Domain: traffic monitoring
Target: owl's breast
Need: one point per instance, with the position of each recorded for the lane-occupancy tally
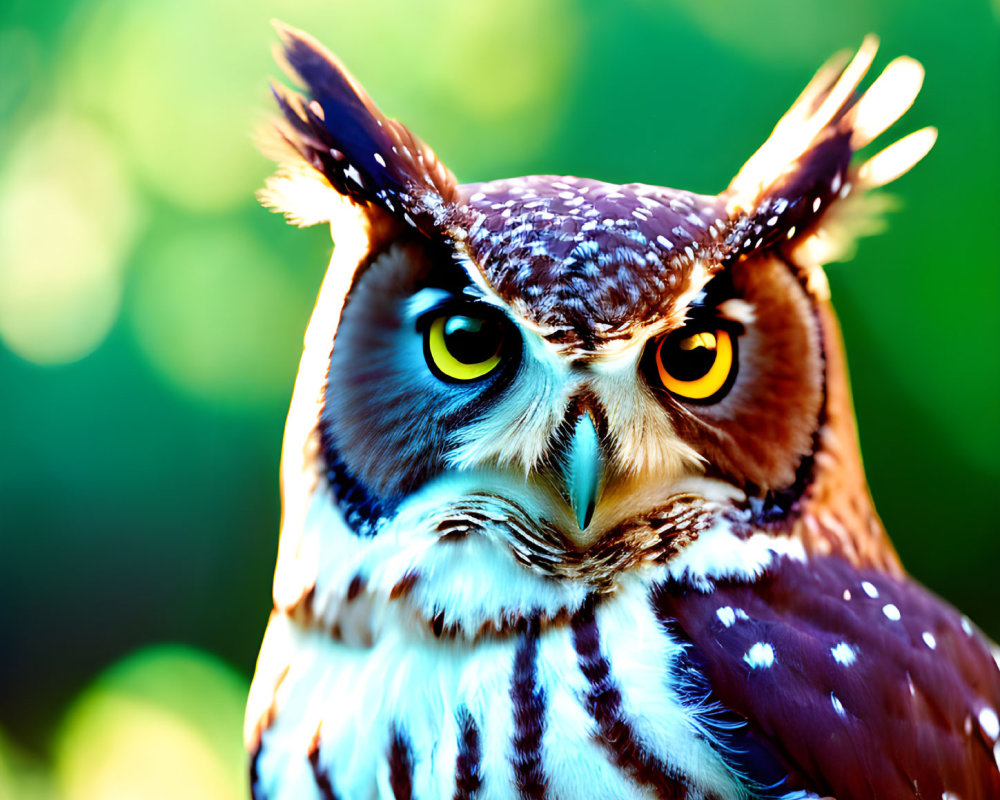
(604, 704)
(813, 679)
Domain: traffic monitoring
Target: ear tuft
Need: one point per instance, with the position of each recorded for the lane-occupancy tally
(338, 132)
(801, 184)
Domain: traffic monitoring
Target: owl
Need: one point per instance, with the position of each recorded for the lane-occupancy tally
(572, 500)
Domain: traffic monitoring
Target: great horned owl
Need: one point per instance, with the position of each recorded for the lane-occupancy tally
(573, 505)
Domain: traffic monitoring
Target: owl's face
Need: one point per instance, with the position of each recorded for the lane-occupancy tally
(517, 393)
(609, 397)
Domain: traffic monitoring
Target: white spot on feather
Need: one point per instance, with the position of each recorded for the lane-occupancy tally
(844, 654)
(726, 616)
(760, 656)
(929, 640)
(352, 173)
(990, 723)
(837, 705)
(891, 612)
(869, 589)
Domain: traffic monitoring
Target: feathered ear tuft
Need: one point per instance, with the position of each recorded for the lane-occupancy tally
(800, 184)
(341, 135)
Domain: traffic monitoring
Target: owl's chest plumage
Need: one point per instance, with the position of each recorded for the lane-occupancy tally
(539, 713)
(600, 703)
(759, 688)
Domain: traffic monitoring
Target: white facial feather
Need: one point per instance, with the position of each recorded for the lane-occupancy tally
(518, 430)
(301, 456)
(645, 443)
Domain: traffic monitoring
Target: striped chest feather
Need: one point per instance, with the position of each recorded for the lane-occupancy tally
(763, 673)
(605, 704)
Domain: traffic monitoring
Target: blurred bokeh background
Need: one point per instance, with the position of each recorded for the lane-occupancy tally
(151, 313)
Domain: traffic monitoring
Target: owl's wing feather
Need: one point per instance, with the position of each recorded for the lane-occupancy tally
(801, 183)
(341, 134)
(865, 684)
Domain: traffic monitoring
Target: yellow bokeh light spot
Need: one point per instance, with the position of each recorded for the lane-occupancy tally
(180, 84)
(163, 724)
(67, 220)
(219, 317)
(132, 749)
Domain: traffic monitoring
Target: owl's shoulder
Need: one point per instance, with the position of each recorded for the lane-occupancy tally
(865, 683)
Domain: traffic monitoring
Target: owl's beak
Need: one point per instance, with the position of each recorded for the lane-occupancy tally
(584, 469)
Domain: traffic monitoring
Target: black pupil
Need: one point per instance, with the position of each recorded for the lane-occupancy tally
(471, 340)
(687, 364)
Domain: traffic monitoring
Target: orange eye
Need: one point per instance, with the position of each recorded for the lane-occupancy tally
(697, 365)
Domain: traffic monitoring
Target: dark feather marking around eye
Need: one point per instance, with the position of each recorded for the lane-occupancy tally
(774, 511)
(528, 700)
(400, 765)
(449, 274)
(777, 508)
(468, 769)
(604, 704)
(361, 509)
(717, 291)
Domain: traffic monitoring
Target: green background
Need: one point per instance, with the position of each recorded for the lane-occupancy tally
(151, 313)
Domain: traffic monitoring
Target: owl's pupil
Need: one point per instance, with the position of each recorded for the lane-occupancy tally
(687, 357)
(471, 340)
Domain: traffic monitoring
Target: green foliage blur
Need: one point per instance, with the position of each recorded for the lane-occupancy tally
(151, 313)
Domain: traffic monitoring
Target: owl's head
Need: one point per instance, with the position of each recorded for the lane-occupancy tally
(516, 393)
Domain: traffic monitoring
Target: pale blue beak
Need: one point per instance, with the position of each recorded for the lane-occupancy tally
(584, 469)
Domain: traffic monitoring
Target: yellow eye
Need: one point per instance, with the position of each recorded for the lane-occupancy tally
(461, 348)
(697, 365)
